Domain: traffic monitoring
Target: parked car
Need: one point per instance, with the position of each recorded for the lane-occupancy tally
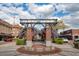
(8, 39)
(65, 40)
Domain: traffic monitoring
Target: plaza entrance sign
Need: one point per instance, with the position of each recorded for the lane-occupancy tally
(35, 21)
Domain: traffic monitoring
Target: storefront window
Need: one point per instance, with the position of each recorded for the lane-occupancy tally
(76, 37)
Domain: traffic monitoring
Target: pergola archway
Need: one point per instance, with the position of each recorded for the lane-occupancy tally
(30, 23)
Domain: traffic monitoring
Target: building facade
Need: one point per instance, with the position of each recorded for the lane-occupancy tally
(16, 30)
(71, 34)
(8, 31)
(5, 29)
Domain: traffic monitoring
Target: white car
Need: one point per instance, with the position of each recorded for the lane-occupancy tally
(65, 40)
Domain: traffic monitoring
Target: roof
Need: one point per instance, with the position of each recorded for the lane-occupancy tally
(6, 34)
(70, 30)
(17, 26)
(5, 23)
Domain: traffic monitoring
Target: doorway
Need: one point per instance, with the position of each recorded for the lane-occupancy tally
(1, 38)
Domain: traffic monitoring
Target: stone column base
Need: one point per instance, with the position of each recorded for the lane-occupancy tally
(29, 45)
(48, 45)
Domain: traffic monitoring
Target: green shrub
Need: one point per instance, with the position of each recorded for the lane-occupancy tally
(58, 40)
(20, 41)
(76, 45)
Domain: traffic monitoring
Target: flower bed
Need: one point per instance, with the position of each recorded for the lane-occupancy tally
(38, 50)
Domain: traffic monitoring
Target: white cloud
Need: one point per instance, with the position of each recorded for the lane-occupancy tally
(7, 11)
(67, 7)
(60, 7)
(24, 14)
(72, 19)
(39, 11)
(5, 17)
(44, 11)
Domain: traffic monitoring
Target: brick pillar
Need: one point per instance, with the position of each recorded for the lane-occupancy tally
(48, 36)
(29, 37)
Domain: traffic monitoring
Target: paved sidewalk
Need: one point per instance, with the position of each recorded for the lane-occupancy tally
(9, 49)
(2, 42)
(67, 50)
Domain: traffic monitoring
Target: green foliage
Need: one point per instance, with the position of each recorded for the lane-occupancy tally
(20, 41)
(58, 40)
(76, 45)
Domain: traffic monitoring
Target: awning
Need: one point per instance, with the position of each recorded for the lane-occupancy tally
(6, 34)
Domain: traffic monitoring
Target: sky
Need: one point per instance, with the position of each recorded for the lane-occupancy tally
(68, 12)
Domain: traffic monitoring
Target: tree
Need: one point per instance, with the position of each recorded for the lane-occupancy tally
(60, 25)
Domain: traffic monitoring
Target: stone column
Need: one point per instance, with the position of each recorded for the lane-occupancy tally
(29, 37)
(48, 36)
